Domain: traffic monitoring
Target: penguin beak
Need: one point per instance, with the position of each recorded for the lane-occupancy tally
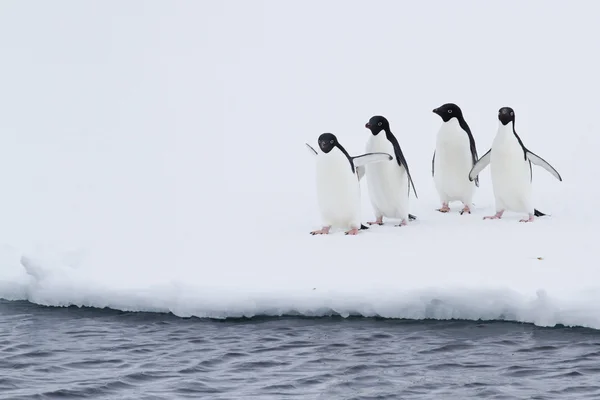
(435, 110)
(368, 125)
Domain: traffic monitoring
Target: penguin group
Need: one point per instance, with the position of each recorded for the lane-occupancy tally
(455, 168)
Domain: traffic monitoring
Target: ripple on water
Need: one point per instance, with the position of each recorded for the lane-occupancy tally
(95, 363)
(520, 372)
(195, 387)
(316, 379)
(262, 364)
(381, 336)
(447, 348)
(537, 349)
(590, 370)
(586, 389)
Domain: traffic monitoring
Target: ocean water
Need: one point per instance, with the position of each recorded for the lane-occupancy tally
(76, 353)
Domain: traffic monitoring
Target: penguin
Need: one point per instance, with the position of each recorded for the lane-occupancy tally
(454, 156)
(512, 175)
(388, 183)
(338, 190)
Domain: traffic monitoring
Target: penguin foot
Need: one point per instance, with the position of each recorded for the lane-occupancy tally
(444, 208)
(465, 210)
(352, 231)
(530, 219)
(498, 215)
(378, 222)
(323, 231)
(403, 223)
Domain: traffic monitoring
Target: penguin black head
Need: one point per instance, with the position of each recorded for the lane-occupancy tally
(448, 111)
(506, 115)
(327, 141)
(377, 123)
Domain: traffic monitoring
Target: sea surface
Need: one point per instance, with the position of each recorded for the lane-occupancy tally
(85, 353)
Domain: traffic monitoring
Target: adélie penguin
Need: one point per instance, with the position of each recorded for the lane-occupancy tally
(454, 156)
(338, 190)
(388, 183)
(510, 162)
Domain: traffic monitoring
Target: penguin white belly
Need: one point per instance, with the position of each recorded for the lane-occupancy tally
(453, 163)
(338, 192)
(387, 182)
(511, 175)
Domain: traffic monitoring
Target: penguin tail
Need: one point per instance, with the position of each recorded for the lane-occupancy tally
(538, 213)
(412, 217)
(363, 227)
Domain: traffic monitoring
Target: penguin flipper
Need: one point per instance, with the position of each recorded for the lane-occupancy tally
(433, 165)
(312, 151)
(474, 155)
(480, 165)
(539, 161)
(401, 160)
(367, 158)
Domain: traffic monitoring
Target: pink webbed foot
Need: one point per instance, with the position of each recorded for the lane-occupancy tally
(444, 208)
(466, 209)
(323, 231)
(530, 219)
(353, 231)
(379, 221)
(403, 223)
(498, 215)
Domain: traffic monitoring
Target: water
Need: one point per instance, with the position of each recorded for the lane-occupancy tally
(105, 354)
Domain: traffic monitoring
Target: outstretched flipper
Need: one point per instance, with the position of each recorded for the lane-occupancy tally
(480, 165)
(537, 160)
(312, 151)
(369, 158)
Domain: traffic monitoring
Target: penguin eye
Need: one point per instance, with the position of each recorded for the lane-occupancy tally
(379, 124)
(331, 142)
(511, 114)
(449, 111)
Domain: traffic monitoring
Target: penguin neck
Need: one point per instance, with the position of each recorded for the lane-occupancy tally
(507, 136)
(382, 135)
(388, 134)
(506, 130)
(343, 150)
(451, 125)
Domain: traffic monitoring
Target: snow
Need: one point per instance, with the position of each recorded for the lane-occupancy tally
(152, 157)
